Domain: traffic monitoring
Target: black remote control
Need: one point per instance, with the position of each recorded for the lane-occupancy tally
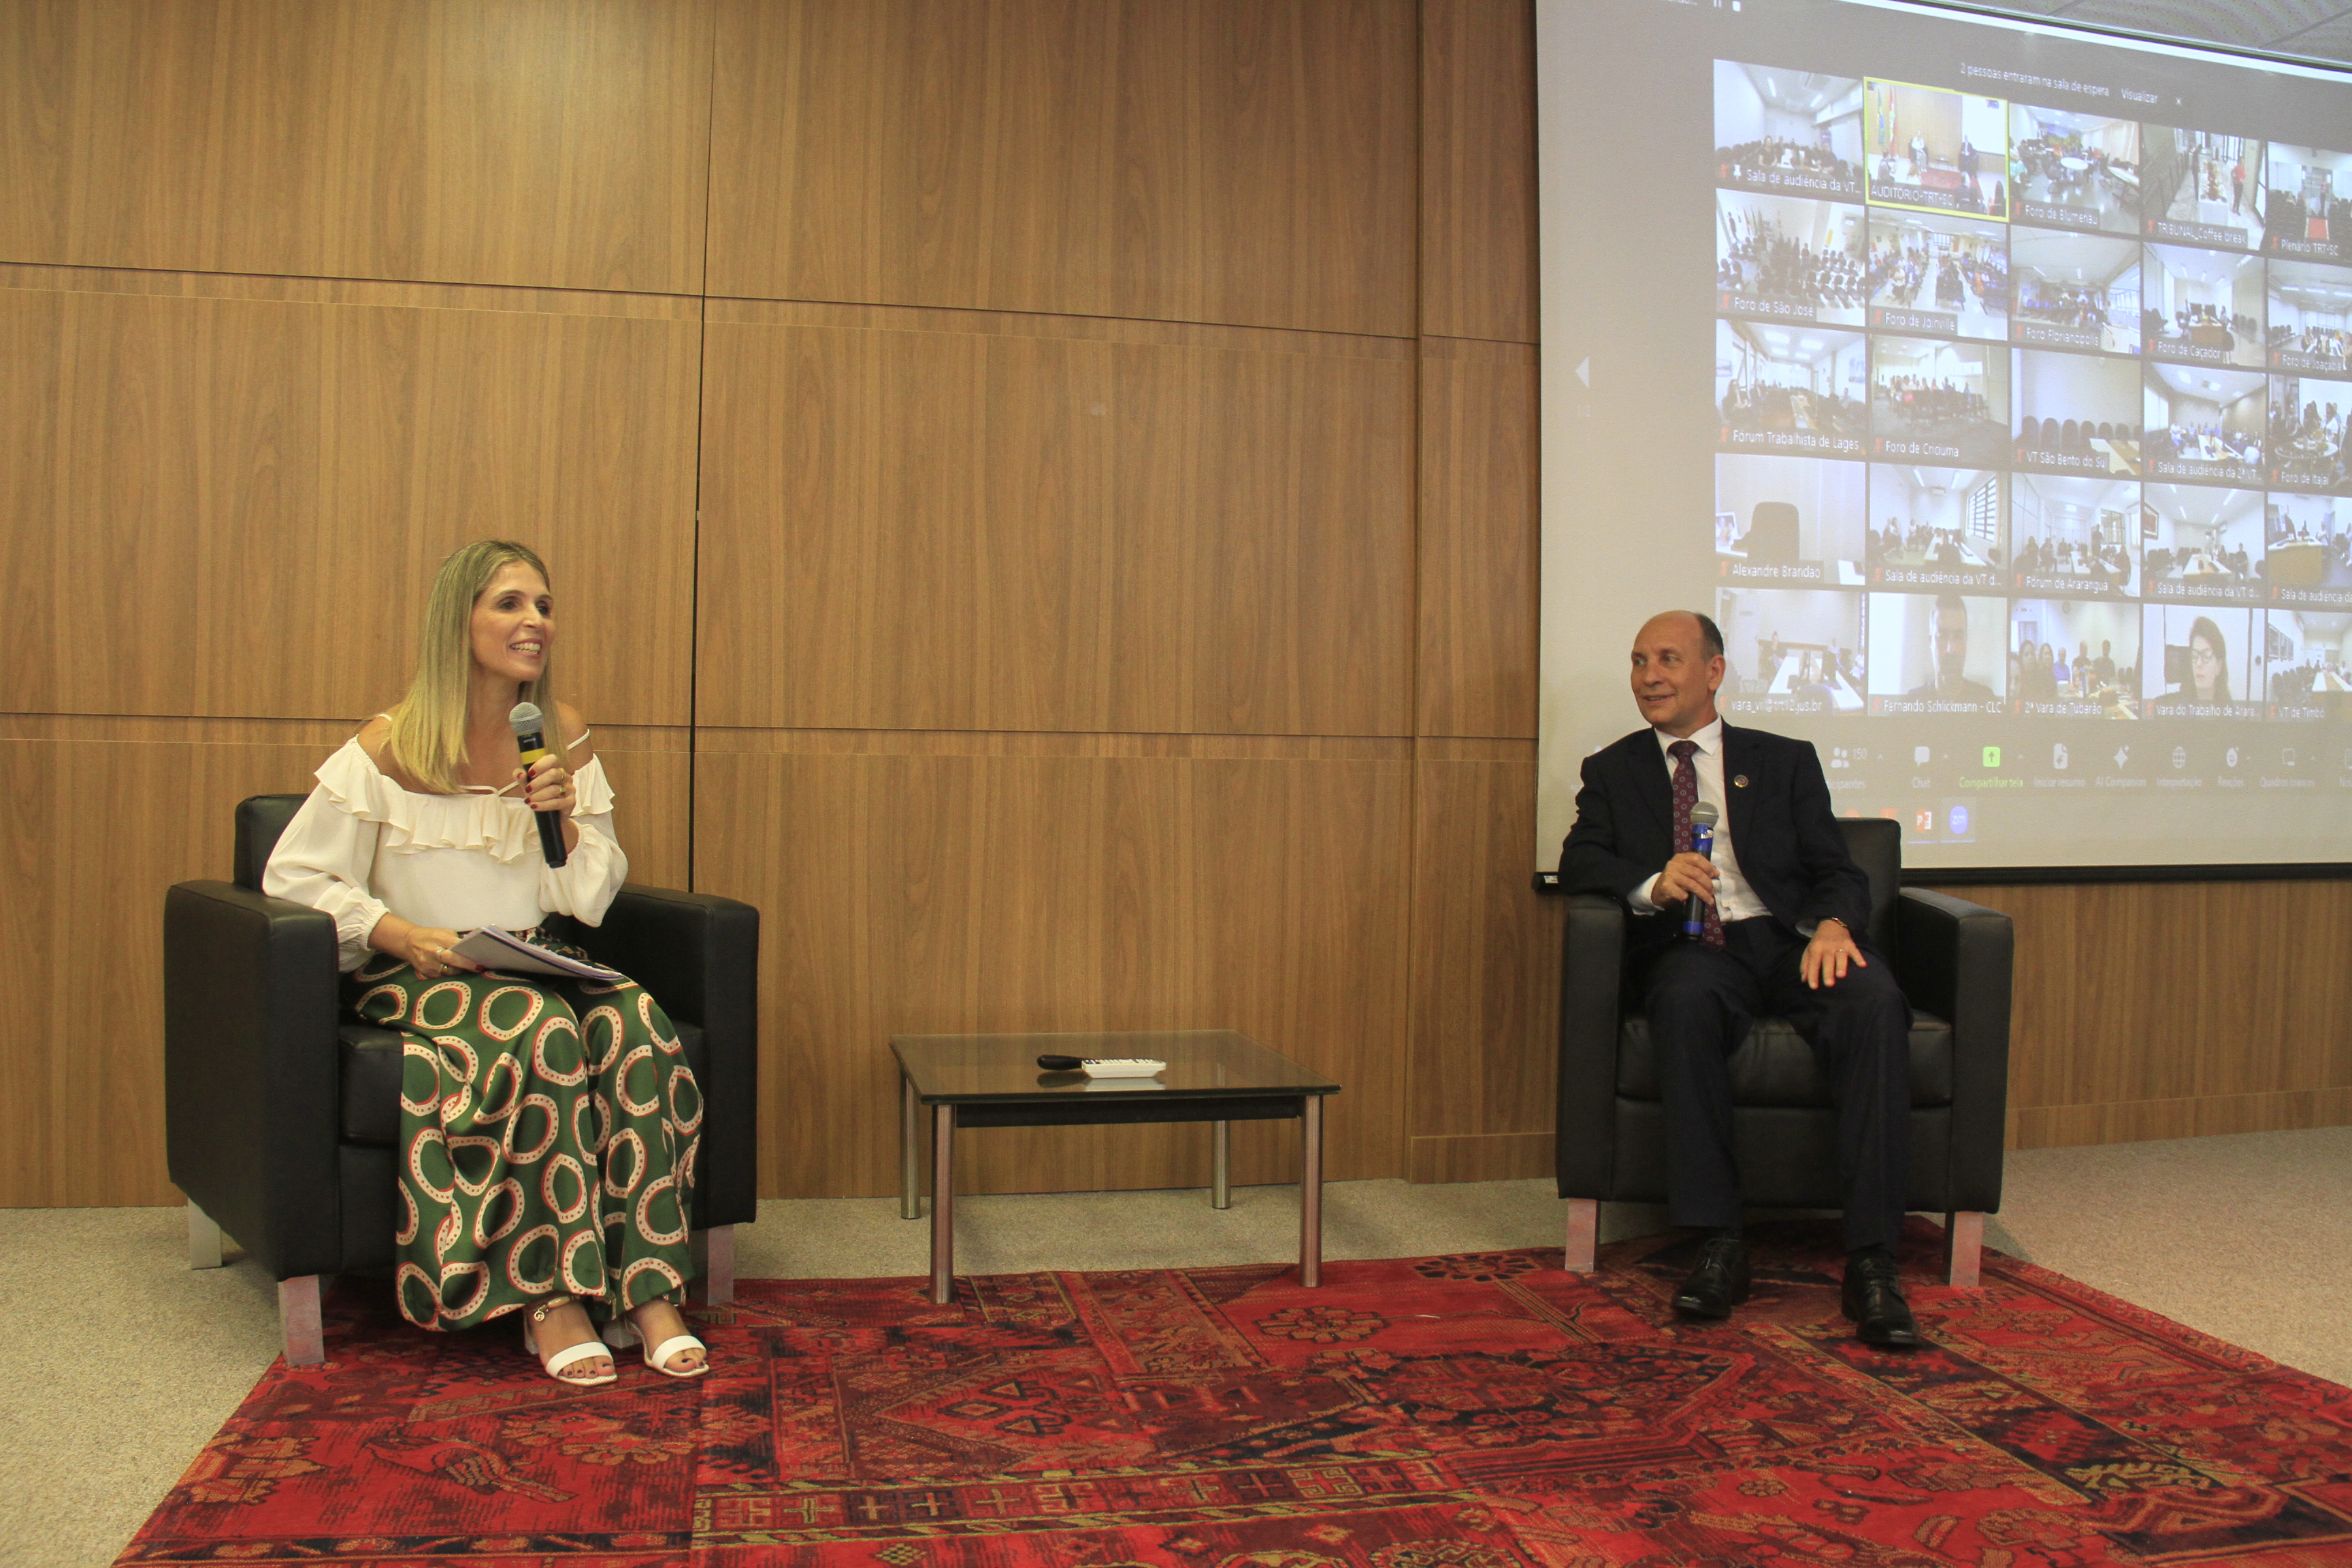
(1059, 1064)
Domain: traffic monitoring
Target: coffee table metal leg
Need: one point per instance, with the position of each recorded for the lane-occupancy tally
(1220, 1164)
(943, 1122)
(910, 1151)
(1310, 1190)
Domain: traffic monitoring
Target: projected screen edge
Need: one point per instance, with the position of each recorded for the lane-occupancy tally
(1863, 492)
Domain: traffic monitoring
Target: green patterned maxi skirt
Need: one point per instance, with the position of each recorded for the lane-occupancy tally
(547, 1134)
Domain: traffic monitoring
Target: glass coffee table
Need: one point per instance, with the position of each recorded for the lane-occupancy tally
(1217, 1076)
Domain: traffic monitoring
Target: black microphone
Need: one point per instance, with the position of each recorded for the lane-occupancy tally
(1703, 820)
(525, 720)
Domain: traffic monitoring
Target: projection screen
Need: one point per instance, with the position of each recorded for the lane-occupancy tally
(1988, 383)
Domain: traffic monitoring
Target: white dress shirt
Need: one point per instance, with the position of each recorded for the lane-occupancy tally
(1734, 899)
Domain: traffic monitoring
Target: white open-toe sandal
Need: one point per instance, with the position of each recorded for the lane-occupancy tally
(570, 1356)
(620, 1333)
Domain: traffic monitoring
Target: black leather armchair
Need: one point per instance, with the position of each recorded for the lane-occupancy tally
(281, 1115)
(1953, 958)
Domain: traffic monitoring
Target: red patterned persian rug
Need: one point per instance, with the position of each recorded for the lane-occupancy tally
(1479, 1411)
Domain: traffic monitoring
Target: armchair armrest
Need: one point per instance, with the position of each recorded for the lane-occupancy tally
(250, 1071)
(699, 955)
(1958, 960)
(1591, 981)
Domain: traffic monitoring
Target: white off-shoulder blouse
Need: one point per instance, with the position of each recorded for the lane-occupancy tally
(362, 847)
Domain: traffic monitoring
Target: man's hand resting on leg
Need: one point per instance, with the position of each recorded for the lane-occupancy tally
(1828, 953)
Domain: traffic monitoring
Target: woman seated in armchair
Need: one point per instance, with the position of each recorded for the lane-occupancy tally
(548, 1126)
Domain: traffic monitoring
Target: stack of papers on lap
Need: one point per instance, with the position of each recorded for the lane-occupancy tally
(508, 954)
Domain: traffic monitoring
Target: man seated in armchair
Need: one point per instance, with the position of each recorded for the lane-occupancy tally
(1783, 907)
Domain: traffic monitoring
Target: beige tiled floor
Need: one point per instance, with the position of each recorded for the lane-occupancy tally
(117, 1361)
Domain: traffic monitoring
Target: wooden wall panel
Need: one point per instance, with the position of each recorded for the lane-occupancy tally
(457, 141)
(1247, 162)
(98, 817)
(652, 774)
(1486, 948)
(1479, 533)
(954, 521)
(233, 507)
(2170, 1009)
(911, 887)
(96, 828)
(1478, 169)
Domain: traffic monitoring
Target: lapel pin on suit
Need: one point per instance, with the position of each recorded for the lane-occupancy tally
(1739, 780)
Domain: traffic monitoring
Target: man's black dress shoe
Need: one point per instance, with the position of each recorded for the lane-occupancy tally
(1874, 1300)
(1720, 1282)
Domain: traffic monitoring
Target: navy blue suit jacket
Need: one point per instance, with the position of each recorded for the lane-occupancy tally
(1787, 838)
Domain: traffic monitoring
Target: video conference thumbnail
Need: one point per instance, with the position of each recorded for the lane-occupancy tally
(1938, 653)
(1791, 649)
(1788, 257)
(2076, 413)
(2306, 554)
(1788, 519)
(2307, 432)
(2073, 171)
(1789, 131)
(1933, 148)
(2200, 663)
(2197, 187)
(2202, 306)
(2075, 538)
(2310, 314)
(2205, 425)
(1792, 389)
(1934, 528)
(2310, 675)
(2075, 290)
(1938, 401)
(2307, 202)
(2074, 658)
(1938, 272)
(2203, 543)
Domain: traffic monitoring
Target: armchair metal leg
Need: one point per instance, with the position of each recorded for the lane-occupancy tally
(298, 1315)
(1584, 1234)
(203, 1239)
(1963, 1247)
(714, 1261)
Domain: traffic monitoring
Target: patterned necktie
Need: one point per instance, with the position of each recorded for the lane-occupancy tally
(1686, 797)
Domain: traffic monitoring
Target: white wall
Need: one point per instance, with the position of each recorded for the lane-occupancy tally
(1853, 371)
(2246, 292)
(1828, 498)
(1739, 107)
(1845, 127)
(1894, 494)
(2072, 386)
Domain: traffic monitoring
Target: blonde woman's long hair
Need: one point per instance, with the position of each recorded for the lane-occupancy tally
(428, 727)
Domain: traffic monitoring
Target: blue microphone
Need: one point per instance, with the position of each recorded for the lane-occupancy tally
(1703, 820)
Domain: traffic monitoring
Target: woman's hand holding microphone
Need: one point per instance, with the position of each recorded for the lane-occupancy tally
(547, 786)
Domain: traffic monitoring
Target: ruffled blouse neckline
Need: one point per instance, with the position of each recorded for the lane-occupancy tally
(488, 820)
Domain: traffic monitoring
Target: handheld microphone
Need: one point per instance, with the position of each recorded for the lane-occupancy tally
(1703, 820)
(527, 725)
